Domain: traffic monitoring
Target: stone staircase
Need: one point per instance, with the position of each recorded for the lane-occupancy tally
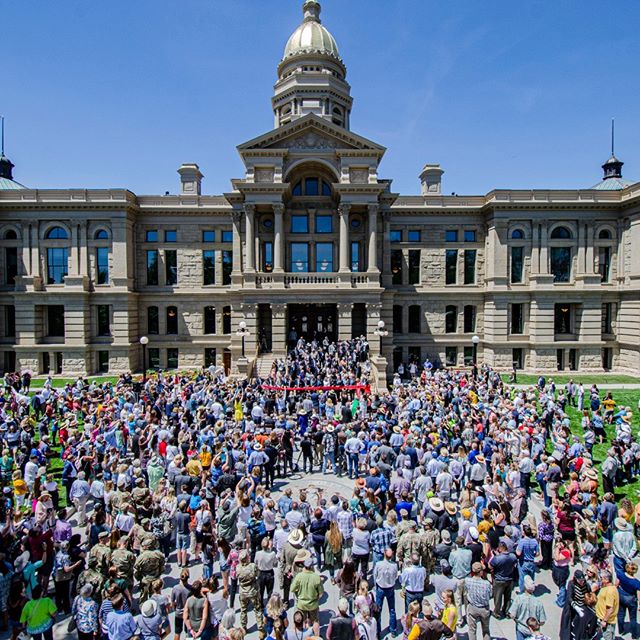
(263, 365)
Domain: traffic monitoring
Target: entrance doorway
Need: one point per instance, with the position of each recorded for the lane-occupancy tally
(264, 328)
(226, 361)
(312, 321)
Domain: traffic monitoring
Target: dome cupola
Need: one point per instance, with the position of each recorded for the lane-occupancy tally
(311, 36)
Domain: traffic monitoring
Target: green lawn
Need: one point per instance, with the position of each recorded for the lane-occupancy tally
(58, 383)
(623, 398)
(587, 379)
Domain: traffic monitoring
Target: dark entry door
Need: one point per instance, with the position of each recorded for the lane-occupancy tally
(312, 321)
(226, 361)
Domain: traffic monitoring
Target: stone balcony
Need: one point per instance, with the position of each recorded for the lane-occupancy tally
(334, 280)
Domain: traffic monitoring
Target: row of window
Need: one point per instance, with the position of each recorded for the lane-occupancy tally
(564, 318)
(171, 235)
(415, 235)
(171, 267)
(171, 317)
(451, 319)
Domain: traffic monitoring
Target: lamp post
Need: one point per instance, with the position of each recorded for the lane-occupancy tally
(475, 341)
(243, 332)
(144, 341)
(381, 332)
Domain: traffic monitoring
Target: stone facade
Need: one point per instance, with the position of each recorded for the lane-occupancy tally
(547, 279)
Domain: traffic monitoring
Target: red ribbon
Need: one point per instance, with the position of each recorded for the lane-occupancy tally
(349, 387)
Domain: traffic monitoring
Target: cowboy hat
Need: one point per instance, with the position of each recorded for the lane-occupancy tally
(451, 508)
(295, 537)
(436, 504)
(302, 555)
(360, 483)
(257, 447)
(397, 429)
(330, 428)
(621, 524)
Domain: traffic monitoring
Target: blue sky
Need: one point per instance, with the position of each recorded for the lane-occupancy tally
(502, 94)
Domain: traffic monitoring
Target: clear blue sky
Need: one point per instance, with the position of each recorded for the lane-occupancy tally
(501, 93)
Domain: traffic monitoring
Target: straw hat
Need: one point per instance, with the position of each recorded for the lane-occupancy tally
(436, 504)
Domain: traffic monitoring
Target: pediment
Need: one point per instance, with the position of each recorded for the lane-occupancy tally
(312, 133)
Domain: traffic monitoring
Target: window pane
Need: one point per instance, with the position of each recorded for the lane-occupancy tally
(451, 319)
(469, 319)
(355, 256)
(57, 233)
(299, 224)
(297, 189)
(210, 357)
(311, 187)
(517, 263)
(171, 236)
(562, 318)
(451, 267)
(414, 266)
(324, 224)
(154, 358)
(152, 236)
(561, 264)
(209, 267)
(209, 319)
(11, 264)
(395, 236)
(227, 236)
(103, 361)
(172, 358)
(414, 318)
(451, 235)
(267, 256)
(104, 325)
(55, 321)
(397, 318)
(324, 257)
(171, 267)
(468, 356)
(102, 265)
(451, 356)
(414, 236)
(9, 321)
(227, 267)
(517, 319)
(470, 266)
(604, 263)
(469, 236)
(226, 320)
(396, 266)
(172, 320)
(326, 188)
(299, 257)
(208, 236)
(153, 321)
(152, 267)
(57, 265)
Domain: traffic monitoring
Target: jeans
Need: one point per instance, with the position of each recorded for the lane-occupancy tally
(47, 635)
(353, 465)
(329, 456)
(389, 595)
(628, 603)
(502, 597)
(412, 596)
(527, 568)
(562, 595)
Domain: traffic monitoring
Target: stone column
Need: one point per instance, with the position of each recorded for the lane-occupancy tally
(582, 254)
(250, 245)
(591, 262)
(343, 211)
(236, 270)
(84, 249)
(386, 251)
(544, 249)
(345, 324)
(279, 328)
(372, 257)
(278, 237)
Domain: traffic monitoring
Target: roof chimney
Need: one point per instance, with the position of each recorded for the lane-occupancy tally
(190, 179)
(431, 179)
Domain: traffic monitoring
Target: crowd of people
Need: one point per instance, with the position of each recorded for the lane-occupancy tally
(462, 493)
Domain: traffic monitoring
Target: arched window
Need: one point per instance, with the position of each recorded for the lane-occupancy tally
(10, 234)
(101, 234)
(326, 188)
(337, 117)
(517, 234)
(312, 186)
(561, 233)
(57, 233)
(451, 319)
(604, 234)
(297, 189)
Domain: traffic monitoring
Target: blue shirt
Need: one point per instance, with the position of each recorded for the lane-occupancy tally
(527, 550)
(120, 625)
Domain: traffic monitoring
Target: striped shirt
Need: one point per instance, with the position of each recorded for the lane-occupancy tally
(381, 538)
(345, 524)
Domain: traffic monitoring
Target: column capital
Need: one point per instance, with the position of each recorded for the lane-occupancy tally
(279, 308)
(344, 307)
(249, 208)
(278, 208)
(236, 216)
(343, 209)
(373, 209)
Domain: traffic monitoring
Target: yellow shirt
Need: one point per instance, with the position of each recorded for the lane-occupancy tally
(609, 404)
(608, 597)
(450, 616)
(194, 468)
(20, 487)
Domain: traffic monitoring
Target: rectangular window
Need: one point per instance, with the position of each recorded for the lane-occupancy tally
(607, 358)
(573, 359)
(209, 320)
(103, 361)
(154, 358)
(171, 235)
(172, 358)
(57, 265)
(517, 264)
(210, 357)
(151, 236)
(102, 265)
(395, 236)
(208, 235)
(517, 358)
(469, 236)
(153, 321)
(152, 267)
(451, 266)
(562, 319)
(414, 266)
(396, 266)
(227, 236)
(171, 267)
(604, 263)
(560, 263)
(324, 224)
(607, 318)
(451, 235)
(9, 321)
(267, 256)
(451, 356)
(55, 321)
(226, 320)
(227, 267)
(468, 356)
(517, 318)
(414, 318)
(324, 257)
(469, 318)
(451, 319)
(299, 257)
(414, 235)
(355, 256)
(299, 224)
(208, 267)
(104, 320)
(172, 321)
(312, 187)
(397, 319)
(470, 266)
(11, 264)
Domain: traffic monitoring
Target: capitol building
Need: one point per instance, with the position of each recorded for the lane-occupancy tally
(313, 241)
